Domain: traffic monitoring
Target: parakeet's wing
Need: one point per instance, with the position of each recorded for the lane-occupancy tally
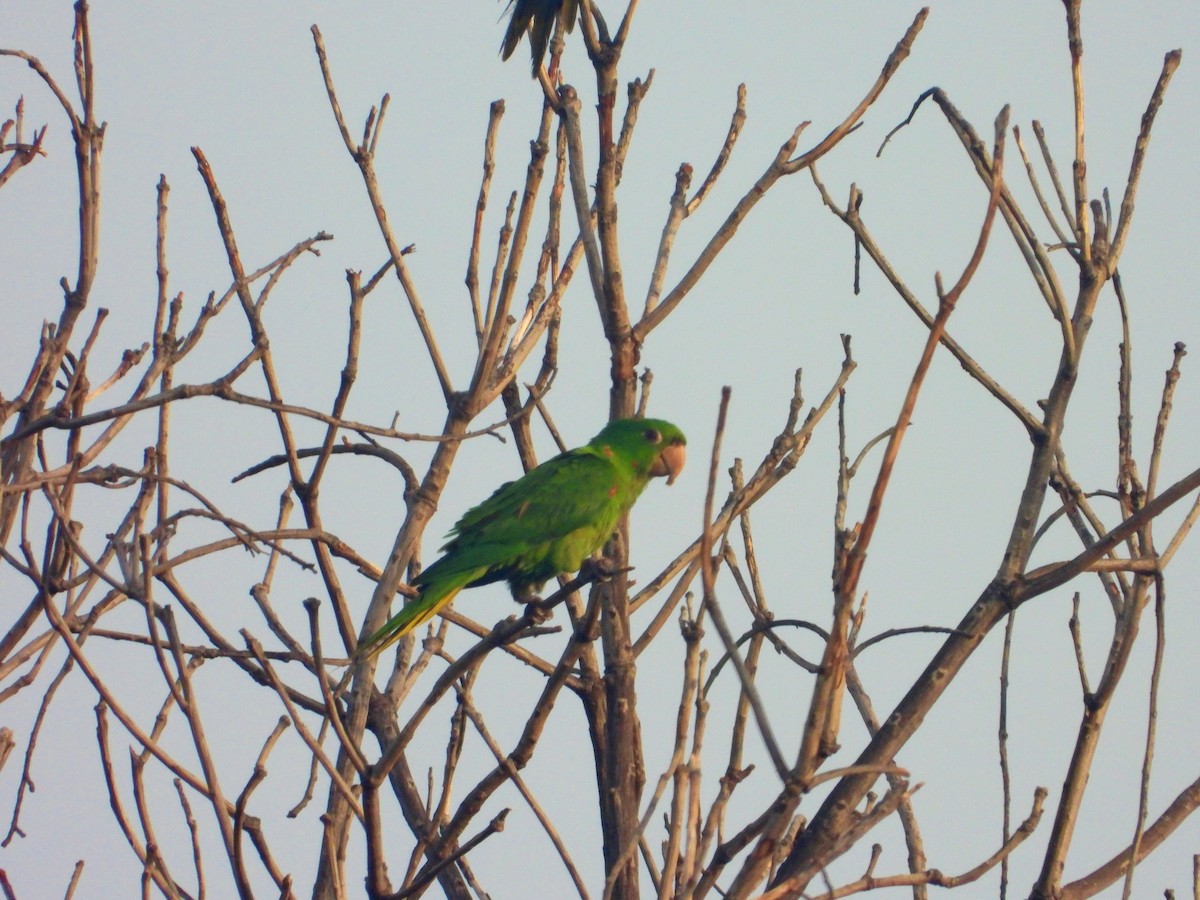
(571, 491)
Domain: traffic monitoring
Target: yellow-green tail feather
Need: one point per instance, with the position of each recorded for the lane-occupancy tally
(434, 596)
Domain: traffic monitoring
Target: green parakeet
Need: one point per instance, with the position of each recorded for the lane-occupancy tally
(538, 18)
(545, 523)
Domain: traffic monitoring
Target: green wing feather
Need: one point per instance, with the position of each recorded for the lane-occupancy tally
(516, 533)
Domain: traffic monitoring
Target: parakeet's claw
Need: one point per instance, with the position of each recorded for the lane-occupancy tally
(538, 611)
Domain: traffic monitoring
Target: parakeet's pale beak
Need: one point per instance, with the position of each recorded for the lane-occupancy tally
(670, 462)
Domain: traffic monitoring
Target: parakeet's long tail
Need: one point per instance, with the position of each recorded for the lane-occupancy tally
(434, 595)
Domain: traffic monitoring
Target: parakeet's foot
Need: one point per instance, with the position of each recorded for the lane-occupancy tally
(538, 611)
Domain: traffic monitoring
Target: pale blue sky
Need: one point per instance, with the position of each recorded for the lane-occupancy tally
(240, 80)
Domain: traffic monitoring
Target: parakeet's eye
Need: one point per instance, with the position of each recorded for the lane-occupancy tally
(652, 436)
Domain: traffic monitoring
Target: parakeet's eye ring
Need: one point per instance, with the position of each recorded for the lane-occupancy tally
(652, 436)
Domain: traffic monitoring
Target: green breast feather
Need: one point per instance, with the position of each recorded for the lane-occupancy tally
(545, 523)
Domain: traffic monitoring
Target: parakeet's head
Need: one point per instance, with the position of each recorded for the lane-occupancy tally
(652, 446)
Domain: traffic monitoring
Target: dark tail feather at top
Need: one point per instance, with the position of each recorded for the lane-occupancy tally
(538, 18)
(539, 39)
(518, 24)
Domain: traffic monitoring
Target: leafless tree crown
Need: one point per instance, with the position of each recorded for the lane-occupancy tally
(84, 589)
